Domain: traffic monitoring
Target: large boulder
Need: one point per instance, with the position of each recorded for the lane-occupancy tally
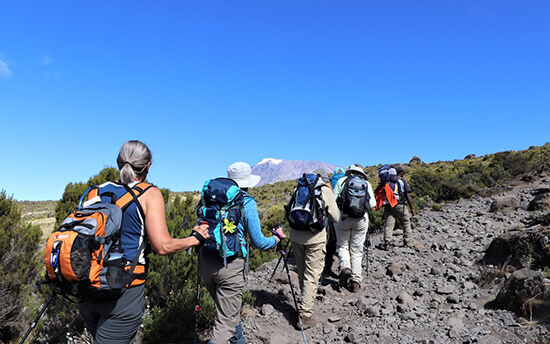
(415, 160)
(520, 249)
(505, 203)
(541, 201)
(525, 293)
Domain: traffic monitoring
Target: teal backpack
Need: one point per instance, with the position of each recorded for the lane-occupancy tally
(222, 206)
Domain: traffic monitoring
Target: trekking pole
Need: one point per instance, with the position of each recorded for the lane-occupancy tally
(283, 254)
(279, 262)
(33, 324)
(198, 298)
(368, 243)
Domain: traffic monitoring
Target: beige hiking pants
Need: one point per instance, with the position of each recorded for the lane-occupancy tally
(310, 260)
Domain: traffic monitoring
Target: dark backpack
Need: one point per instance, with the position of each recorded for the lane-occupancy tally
(222, 206)
(398, 188)
(304, 211)
(354, 198)
(84, 257)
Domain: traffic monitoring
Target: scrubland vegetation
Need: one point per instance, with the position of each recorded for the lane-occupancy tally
(172, 279)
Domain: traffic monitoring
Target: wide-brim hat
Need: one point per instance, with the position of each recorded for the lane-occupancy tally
(241, 173)
(356, 170)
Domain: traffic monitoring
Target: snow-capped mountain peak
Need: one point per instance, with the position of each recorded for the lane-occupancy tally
(271, 161)
(275, 170)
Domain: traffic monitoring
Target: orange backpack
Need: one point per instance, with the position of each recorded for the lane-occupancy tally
(84, 257)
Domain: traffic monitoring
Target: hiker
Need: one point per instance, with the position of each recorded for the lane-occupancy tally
(116, 321)
(339, 172)
(224, 278)
(401, 190)
(309, 247)
(355, 197)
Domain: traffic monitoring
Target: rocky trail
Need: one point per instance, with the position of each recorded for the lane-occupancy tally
(435, 292)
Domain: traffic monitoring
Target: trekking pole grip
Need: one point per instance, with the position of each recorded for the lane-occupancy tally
(277, 234)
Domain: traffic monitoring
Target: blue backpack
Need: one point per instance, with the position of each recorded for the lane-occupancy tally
(222, 206)
(304, 211)
(384, 174)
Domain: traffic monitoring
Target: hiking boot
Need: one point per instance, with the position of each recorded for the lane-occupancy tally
(354, 287)
(384, 247)
(345, 275)
(327, 272)
(408, 244)
(307, 322)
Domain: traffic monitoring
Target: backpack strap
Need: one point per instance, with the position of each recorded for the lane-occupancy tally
(132, 195)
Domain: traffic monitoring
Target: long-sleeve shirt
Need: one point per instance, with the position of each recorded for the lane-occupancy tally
(253, 227)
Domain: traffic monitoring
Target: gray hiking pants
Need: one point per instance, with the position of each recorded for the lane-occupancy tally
(114, 321)
(225, 285)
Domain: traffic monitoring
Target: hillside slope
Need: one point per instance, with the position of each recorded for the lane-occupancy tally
(435, 293)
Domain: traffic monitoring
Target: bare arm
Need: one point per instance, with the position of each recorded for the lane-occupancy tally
(157, 230)
(409, 200)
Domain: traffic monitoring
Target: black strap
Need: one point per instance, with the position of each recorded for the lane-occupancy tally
(198, 236)
(135, 262)
(141, 192)
(145, 237)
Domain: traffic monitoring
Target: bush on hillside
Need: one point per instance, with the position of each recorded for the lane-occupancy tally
(73, 192)
(19, 267)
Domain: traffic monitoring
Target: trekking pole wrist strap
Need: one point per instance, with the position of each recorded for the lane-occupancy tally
(277, 234)
(197, 236)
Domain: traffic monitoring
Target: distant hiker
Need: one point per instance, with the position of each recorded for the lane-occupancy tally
(116, 321)
(311, 203)
(355, 197)
(223, 273)
(396, 192)
(408, 189)
(339, 172)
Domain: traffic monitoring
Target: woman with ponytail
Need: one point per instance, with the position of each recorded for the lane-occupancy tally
(116, 321)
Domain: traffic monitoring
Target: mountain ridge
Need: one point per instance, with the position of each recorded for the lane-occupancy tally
(272, 170)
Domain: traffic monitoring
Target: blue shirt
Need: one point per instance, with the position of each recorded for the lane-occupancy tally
(251, 224)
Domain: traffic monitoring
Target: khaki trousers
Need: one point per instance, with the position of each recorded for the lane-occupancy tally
(401, 212)
(350, 238)
(225, 285)
(310, 260)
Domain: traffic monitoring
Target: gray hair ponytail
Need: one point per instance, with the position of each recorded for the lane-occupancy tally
(132, 160)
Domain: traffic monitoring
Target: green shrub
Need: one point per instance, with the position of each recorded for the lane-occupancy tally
(437, 207)
(19, 267)
(174, 322)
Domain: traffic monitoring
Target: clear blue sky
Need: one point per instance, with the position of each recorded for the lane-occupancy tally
(208, 83)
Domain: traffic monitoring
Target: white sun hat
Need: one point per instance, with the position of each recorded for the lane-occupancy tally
(241, 173)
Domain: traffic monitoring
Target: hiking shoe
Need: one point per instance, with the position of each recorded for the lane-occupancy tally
(329, 273)
(387, 247)
(354, 287)
(345, 275)
(307, 322)
(408, 244)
